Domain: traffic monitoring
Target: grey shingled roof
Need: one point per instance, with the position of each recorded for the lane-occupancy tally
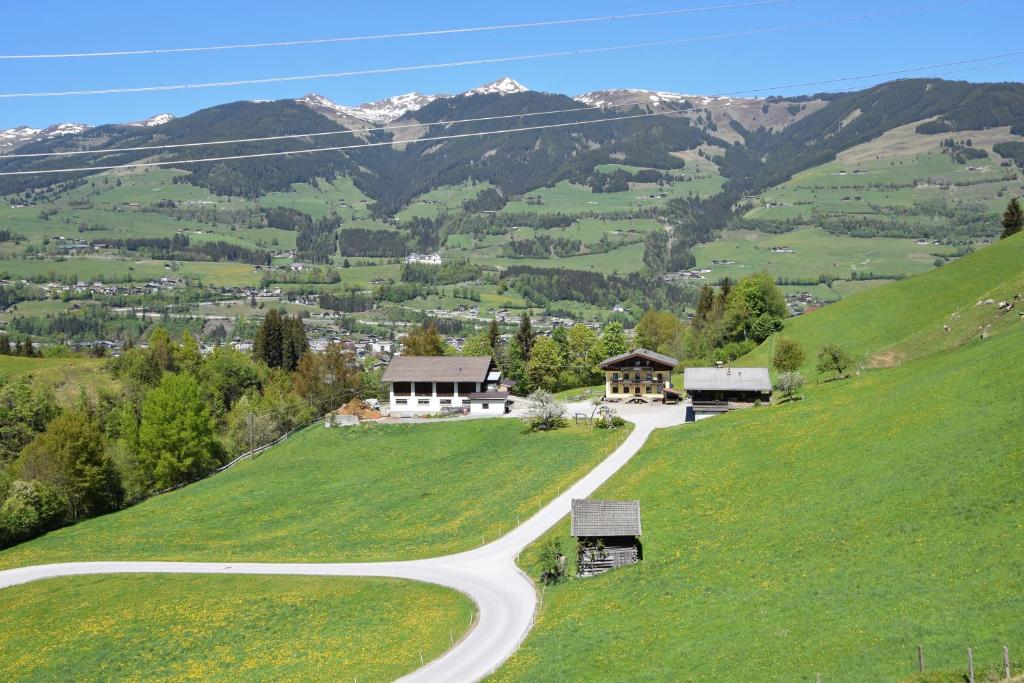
(603, 518)
(641, 353)
(727, 379)
(437, 369)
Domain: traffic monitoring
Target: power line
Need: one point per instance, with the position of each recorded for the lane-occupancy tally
(343, 148)
(413, 34)
(647, 102)
(457, 136)
(491, 60)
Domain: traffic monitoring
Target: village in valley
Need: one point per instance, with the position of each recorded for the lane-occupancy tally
(331, 351)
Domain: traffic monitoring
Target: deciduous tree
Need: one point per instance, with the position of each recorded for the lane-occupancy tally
(423, 340)
(177, 440)
(788, 355)
(834, 359)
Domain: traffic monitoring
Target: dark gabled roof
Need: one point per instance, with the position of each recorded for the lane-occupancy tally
(605, 518)
(727, 379)
(641, 353)
(496, 395)
(437, 369)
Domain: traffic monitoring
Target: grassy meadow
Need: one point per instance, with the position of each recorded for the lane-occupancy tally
(375, 492)
(857, 188)
(65, 377)
(906, 319)
(817, 253)
(828, 535)
(247, 628)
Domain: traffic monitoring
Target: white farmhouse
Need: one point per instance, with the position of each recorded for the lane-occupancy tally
(435, 384)
(430, 259)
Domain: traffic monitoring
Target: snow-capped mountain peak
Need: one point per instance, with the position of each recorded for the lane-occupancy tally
(502, 86)
(23, 135)
(378, 113)
(158, 120)
(607, 98)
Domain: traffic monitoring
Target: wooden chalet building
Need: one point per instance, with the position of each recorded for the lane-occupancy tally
(608, 534)
(716, 389)
(638, 374)
(437, 384)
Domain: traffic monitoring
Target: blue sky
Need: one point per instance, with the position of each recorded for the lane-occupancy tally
(962, 31)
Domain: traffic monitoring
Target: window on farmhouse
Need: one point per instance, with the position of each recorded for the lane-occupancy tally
(401, 388)
(446, 401)
(424, 388)
(615, 389)
(402, 401)
(423, 401)
(486, 406)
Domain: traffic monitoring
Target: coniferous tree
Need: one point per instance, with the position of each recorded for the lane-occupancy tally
(525, 337)
(1013, 218)
(295, 344)
(269, 342)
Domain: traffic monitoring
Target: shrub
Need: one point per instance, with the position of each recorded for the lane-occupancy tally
(552, 562)
(611, 422)
(545, 412)
(788, 384)
(31, 508)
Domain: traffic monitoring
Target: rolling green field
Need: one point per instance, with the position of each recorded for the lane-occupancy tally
(65, 377)
(905, 319)
(845, 187)
(817, 253)
(376, 492)
(249, 628)
(828, 535)
(89, 269)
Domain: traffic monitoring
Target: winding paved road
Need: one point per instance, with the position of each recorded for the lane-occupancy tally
(505, 597)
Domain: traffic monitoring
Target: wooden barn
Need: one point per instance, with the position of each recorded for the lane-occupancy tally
(722, 388)
(607, 534)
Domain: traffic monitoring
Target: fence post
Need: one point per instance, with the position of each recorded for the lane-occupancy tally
(1006, 662)
(920, 658)
(970, 665)
(817, 677)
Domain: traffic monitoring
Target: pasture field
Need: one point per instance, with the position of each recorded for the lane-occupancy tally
(152, 627)
(906, 319)
(622, 260)
(829, 535)
(848, 187)
(567, 197)
(817, 253)
(339, 195)
(90, 269)
(375, 492)
(449, 197)
(65, 377)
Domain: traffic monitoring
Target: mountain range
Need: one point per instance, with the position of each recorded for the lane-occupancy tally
(755, 143)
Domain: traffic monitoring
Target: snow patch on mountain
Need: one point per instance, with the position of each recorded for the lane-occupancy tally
(23, 135)
(158, 120)
(502, 86)
(626, 96)
(377, 113)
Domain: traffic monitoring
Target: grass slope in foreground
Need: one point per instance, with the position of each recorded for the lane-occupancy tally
(831, 535)
(375, 492)
(189, 627)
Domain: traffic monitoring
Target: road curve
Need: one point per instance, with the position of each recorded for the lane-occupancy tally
(505, 597)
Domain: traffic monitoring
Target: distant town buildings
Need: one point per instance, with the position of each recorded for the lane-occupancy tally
(430, 259)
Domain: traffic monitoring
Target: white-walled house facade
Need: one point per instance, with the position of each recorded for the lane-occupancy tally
(436, 384)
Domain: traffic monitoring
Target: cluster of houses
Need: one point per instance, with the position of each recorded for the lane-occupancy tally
(427, 385)
(429, 259)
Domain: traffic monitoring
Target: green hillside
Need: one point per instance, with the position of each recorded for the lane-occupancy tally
(905, 319)
(830, 535)
(242, 628)
(369, 493)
